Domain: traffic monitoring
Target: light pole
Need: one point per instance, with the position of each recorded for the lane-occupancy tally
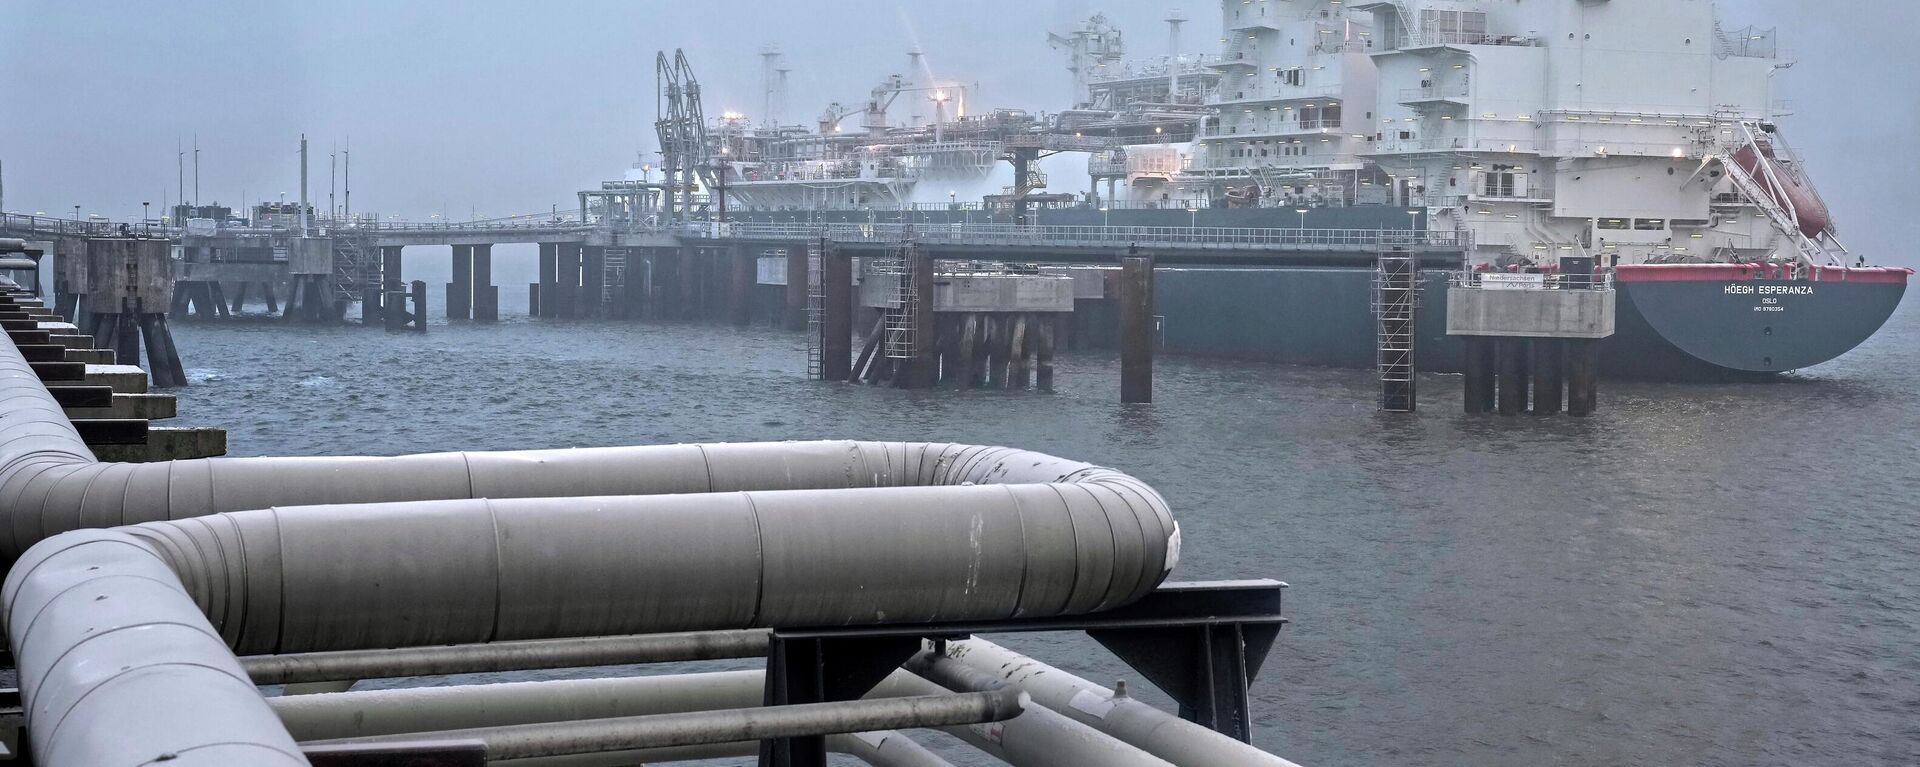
(1193, 218)
(143, 212)
(1303, 216)
(1104, 220)
(76, 213)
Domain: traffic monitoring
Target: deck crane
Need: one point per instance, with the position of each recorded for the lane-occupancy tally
(878, 101)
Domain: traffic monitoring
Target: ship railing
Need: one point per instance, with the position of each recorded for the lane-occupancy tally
(1418, 145)
(1235, 238)
(1501, 280)
(1440, 91)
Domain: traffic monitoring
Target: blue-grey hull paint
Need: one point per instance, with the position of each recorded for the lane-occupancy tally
(1666, 330)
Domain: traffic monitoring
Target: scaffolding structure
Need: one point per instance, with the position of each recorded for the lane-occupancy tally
(899, 340)
(1396, 299)
(816, 302)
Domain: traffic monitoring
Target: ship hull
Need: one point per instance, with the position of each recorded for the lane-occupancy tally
(1687, 330)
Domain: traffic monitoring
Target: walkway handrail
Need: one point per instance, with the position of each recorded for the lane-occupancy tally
(1119, 236)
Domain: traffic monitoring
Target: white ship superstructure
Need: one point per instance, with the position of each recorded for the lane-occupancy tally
(1592, 126)
(1608, 128)
(1295, 104)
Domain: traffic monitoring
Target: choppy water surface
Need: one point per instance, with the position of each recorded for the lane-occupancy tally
(1698, 575)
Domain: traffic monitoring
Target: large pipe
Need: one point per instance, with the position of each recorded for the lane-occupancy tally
(119, 668)
(694, 728)
(50, 482)
(388, 712)
(362, 576)
(504, 656)
(1157, 732)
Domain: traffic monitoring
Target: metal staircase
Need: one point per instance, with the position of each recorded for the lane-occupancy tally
(1396, 296)
(351, 259)
(613, 275)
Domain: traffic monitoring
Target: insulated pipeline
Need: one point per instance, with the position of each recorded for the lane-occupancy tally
(125, 637)
(50, 483)
(351, 577)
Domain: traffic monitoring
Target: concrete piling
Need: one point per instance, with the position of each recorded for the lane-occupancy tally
(795, 316)
(567, 289)
(1510, 359)
(545, 294)
(740, 285)
(1542, 338)
(925, 367)
(1136, 329)
(1478, 383)
(1548, 355)
(1043, 356)
(486, 295)
(836, 313)
(130, 287)
(420, 306)
(1017, 351)
(460, 290)
(1583, 371)
(687, 283)
(593, 278)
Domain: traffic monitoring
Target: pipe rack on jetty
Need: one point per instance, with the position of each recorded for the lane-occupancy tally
(144, 602)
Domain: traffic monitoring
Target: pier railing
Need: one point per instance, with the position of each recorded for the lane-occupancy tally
(1225, 238)
(959, 233)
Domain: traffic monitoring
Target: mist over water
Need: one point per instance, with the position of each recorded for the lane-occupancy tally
(1721, 575)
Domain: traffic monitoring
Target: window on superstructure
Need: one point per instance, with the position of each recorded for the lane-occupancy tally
(1649, 224)
(1500, 181)
(1611, 223)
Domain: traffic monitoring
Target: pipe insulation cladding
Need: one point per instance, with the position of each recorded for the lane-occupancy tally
(125, 638)
(428, 573)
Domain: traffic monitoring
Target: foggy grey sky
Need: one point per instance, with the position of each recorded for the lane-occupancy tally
(509, 107)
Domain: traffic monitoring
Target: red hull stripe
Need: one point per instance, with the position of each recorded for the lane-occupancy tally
(1884, 275)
